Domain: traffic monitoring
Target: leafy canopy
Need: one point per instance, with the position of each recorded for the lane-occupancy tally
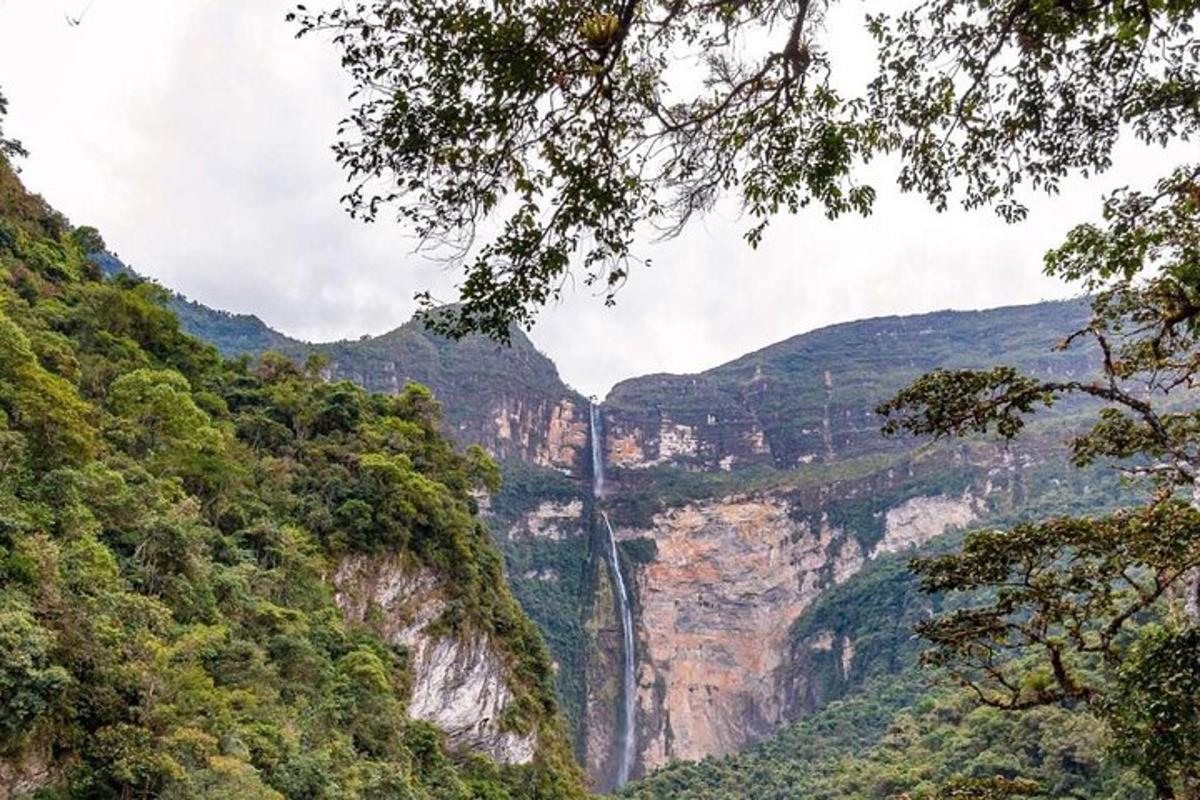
(533, 140)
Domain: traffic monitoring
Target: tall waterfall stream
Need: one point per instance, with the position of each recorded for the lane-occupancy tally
(625, 739)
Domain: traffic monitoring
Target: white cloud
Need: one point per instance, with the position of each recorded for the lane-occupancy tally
(195, 135)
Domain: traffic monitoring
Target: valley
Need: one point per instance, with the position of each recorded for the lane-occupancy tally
(738, 499)
(835, 553)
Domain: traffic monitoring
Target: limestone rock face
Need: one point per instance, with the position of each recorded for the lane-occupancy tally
(715, 607)
(461, 688)
(508, 399)
(546, 433)
(668, 442)
(721, 439)
(728, 575)
(714, 610)
(847, 661)
(849, 560)
(459, 682)
(23, 774)
(916, 521)
(566, 436)
(812, 398)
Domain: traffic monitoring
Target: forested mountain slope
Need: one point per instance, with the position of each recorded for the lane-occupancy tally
(509, 399)
(902, 738)
(236, 579)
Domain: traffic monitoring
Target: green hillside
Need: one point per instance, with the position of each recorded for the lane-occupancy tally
(473, 378)
(901, 738)
(168, 524)
(232, 334)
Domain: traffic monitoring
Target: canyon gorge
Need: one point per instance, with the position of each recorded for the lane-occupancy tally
(675, 541)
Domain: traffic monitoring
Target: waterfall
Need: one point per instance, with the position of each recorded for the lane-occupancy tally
(597, 451)
(625, 738)
(629, 683)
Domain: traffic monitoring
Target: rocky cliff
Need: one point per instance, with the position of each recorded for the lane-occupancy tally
(726, 578)
(460, 680)
(812, 398)
(743, 495)
(23, 774)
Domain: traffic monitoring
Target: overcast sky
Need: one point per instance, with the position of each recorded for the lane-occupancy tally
(195, 135)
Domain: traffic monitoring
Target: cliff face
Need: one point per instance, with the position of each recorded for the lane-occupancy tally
(509, 399)
(811, 399)
(758, 486)
(717, 602)
(728, 578)
(459, 679)
(27, 772)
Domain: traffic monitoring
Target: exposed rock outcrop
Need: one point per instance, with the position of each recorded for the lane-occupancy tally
(812, 398)
(459, 681)
(544, 433)
(917, 520)
(23, 774)
(720, 437)
(550, 520)
(731, 572)
(715, 608)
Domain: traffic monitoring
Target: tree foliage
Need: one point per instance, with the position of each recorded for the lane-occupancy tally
(1077, 591)
(9, 148)
(1154, 707)
(901, 740)
(537, 138)
(1065, 590)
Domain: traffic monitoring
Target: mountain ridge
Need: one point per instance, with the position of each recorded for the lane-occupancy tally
(235, 333)
(1072, 305)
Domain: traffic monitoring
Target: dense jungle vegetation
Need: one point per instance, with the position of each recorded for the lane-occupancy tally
(168, 523)
(169, 519)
